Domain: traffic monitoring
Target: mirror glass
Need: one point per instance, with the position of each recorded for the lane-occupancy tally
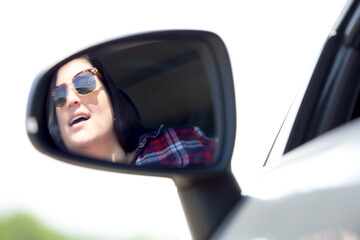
(145, 103)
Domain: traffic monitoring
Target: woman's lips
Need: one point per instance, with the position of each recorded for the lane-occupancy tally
(78, 118)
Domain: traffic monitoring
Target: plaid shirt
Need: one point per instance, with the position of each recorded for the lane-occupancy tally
(174, 147)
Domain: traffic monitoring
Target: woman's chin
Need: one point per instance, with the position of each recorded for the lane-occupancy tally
(80, 146)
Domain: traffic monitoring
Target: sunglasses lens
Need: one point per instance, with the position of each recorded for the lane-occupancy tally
(85, 83)
(59, 95)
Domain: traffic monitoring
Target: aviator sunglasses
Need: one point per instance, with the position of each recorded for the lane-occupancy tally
(84, 83)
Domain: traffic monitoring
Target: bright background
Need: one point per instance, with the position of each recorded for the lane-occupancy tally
(273, 46)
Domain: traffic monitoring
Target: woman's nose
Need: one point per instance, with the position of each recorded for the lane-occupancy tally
(72, 98)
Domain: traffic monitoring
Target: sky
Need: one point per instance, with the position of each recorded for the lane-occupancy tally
(273, 46)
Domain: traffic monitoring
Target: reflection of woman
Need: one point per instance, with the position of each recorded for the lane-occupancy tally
(93, 118)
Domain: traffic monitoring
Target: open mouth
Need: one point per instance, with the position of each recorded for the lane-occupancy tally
(78, 119)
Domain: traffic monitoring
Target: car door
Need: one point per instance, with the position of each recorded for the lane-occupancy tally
(309, 188)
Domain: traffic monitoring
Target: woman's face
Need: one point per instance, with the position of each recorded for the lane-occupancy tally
(93, 131)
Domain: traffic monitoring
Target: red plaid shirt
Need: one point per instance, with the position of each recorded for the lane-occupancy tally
(176, 147)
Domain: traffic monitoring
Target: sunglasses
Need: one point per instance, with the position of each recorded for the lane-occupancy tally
(84, 83)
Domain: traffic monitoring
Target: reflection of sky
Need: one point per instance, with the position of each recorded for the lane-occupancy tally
(272, 46)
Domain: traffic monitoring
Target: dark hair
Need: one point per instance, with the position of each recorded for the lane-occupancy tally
(127, 123)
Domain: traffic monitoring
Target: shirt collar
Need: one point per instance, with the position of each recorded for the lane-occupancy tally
(151, 134)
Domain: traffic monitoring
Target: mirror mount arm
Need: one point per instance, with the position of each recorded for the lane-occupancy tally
(207, 202)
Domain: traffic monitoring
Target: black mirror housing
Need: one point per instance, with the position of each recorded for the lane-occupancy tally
(204, 52)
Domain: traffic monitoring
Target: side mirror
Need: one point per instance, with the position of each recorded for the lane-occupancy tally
(166, 98)
(179, 80)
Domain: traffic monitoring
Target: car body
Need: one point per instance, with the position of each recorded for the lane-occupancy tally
(310, 194)
(311, 191)
(309, 186)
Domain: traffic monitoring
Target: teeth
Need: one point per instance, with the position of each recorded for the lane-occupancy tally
(75, 119)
